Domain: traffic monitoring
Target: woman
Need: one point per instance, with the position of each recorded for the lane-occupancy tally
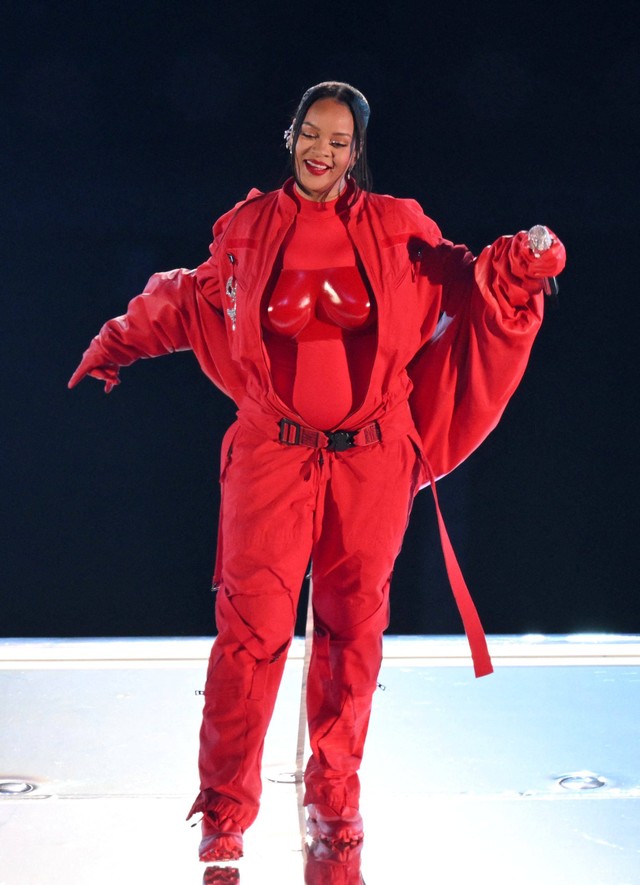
(367, 355)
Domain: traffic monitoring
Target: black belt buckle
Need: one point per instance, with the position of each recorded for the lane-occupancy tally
(289, 432)
(340, 440)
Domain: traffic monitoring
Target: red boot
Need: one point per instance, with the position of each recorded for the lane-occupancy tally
(221, 839)
(335, 828)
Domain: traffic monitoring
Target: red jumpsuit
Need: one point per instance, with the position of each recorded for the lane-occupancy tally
(452, 338)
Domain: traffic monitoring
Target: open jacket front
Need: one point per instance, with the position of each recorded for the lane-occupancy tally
(454, 332)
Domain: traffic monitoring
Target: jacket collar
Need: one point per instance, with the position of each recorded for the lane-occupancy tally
(353, 201)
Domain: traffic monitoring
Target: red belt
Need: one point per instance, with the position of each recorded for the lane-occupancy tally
(292, 434)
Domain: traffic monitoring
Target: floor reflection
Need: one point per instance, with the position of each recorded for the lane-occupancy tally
(323, 865)
(219, 875)
(326, 865)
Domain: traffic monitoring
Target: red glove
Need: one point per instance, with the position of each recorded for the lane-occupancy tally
(94, 364)
(532, 267)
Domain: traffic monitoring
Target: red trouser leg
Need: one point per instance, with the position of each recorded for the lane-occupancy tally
(367, 504)
(269, 495)
(276, 500)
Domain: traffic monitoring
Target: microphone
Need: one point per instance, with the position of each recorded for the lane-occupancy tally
(539, 241)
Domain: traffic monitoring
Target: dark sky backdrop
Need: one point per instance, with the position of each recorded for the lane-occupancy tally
(128, 128)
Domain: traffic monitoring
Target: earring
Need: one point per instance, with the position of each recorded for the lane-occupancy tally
(288, 138)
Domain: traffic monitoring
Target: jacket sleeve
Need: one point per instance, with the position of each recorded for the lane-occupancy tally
(178, 310)
(467, 372)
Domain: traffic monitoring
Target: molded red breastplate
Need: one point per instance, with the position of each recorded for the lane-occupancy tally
(335, 295)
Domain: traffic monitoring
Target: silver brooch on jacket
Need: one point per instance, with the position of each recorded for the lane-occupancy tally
(230, 291)
(232, 311)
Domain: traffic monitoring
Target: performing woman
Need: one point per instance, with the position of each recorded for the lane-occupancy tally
(367, 356)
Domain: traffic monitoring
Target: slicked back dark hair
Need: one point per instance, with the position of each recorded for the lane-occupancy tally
(360, 111)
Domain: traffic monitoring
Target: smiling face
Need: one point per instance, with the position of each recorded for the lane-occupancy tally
(324, 150)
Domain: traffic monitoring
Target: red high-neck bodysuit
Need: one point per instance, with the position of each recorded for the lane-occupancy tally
(318, 318)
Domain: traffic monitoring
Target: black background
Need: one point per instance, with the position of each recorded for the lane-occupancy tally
(129, 127)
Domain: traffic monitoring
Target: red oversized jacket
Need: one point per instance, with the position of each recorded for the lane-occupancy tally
(454, 332)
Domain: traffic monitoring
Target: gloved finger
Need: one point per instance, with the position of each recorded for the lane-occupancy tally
(552, 261)
(550, 264)
(527, 263)
(108, 374)
(88, 363)
(77, 376)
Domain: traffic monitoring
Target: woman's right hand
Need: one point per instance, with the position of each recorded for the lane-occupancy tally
(96, 366)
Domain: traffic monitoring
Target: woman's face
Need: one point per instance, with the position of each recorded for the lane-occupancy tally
(324, 151)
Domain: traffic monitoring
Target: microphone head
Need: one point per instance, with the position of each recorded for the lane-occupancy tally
(539, 238)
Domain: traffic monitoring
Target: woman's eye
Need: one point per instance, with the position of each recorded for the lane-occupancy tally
(314, 135)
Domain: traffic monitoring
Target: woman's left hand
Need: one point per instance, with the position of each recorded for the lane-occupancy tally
(532, 267)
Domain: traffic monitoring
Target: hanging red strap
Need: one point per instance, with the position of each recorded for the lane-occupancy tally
(473, 628)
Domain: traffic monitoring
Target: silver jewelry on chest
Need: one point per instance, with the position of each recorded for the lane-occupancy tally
(230, 291)
(232, 311)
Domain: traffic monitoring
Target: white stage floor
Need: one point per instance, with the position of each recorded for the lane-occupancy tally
(461, 780)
